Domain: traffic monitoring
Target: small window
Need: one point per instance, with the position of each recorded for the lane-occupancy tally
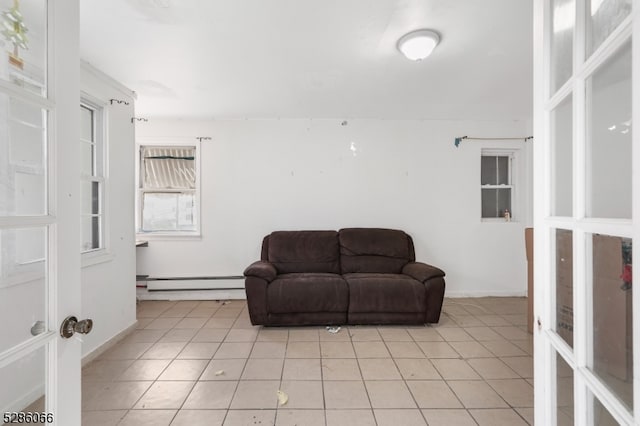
(92, 178)
(496, 185)
(168, 185)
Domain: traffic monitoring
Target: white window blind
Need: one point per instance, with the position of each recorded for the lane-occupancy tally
(169, 168)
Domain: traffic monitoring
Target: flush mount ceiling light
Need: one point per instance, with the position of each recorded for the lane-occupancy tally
(419, 44)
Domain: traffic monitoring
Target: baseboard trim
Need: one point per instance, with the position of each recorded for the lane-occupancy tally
(204, 283)
(226, 294)
(459, 294)
(108, 344)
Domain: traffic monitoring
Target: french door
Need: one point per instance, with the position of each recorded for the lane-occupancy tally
(587, 211)
(39, 211)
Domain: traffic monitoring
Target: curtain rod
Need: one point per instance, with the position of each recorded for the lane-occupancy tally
(459, 139)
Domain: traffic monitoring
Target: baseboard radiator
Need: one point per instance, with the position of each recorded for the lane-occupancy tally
(227, 283)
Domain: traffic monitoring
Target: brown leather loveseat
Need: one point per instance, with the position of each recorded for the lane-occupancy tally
(353, 276)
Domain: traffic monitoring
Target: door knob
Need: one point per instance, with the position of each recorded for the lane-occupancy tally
(71, 325)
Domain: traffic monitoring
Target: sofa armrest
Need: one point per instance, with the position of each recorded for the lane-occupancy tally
(421, 271)
(435, 296)
(258, 276)
(261, 269)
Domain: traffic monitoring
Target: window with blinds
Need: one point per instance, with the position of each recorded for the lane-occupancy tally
(168, 189)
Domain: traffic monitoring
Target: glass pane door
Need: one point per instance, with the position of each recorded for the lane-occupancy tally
(39, 279)
(24, 284)
(586, 210)
(24, 220)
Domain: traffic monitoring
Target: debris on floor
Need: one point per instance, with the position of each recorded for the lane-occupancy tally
(334, 330)
(219, 372)
(282, 397)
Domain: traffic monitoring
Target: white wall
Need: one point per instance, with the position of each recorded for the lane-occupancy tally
(108, 280)
(264, 175)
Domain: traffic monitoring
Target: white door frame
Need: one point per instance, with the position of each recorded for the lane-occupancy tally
(547, 343)
(64, 63)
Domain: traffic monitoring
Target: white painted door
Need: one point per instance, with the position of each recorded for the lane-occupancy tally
(39, 211)
(586, 211)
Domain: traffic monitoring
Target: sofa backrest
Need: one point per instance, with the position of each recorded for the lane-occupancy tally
(374, 250)
(302, 251)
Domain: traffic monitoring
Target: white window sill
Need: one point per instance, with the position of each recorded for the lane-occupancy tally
(173, 236)
(96, 257)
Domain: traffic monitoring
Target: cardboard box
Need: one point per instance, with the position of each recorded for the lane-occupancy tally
(612, 298)
(612, 310)
(528, 241)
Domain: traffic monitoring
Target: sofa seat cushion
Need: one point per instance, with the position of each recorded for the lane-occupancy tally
(371, 292)
(307, 292)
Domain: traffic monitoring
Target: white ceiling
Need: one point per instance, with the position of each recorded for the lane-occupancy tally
(314, 58)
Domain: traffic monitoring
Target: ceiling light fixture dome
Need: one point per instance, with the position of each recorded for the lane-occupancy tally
(418, 44)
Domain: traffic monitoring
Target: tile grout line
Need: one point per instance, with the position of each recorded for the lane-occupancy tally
(226, 414)
(404, 378)
(364, 384)
(324, 399)
(152, 382)
(203, 370)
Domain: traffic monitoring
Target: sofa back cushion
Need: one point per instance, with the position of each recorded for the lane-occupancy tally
(302, 251)
(374, 250)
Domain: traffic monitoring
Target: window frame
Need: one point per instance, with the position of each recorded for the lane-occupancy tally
(98, 175)
(512, 163)
(140, 191)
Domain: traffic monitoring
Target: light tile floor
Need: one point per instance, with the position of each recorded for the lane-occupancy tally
(203, 363)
